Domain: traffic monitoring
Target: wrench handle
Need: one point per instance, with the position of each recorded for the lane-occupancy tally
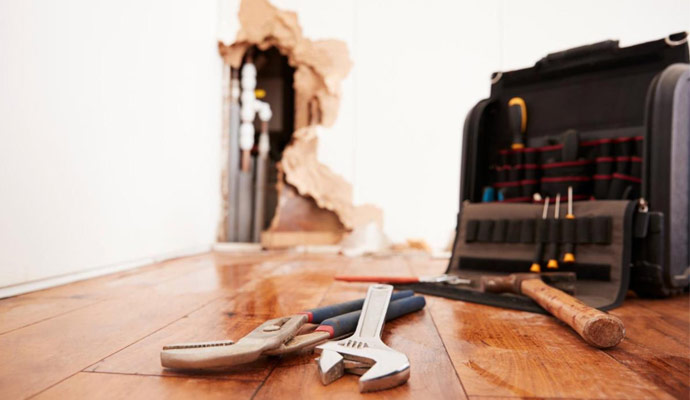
(347, 323)
(370, 324)
(318, 315)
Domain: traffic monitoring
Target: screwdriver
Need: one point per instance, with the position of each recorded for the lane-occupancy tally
(569, 230)
(517, 115)
(554, 230)
(542, 232)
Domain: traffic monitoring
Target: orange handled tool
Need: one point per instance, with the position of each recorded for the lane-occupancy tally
(517, 117)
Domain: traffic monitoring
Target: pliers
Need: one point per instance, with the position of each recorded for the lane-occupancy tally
(283, 335)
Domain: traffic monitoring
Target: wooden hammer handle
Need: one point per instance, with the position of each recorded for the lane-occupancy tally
(596, 328)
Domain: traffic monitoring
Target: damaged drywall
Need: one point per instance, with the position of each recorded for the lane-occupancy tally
(320, 66)
(330, 191)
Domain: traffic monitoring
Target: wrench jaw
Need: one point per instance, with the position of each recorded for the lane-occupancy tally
(331, 366)
(388, 368)
(390, 371)
(380, 367)
(222, 354)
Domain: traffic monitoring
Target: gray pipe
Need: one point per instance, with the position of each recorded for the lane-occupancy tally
(260, 187)
(244, 210)
(233, 156)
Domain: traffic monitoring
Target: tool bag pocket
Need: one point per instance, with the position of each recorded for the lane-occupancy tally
(502, 238)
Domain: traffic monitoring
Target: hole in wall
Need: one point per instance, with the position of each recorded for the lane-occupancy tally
(301, 181)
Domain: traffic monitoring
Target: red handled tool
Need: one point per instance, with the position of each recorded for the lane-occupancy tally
(450, 279)
(282, 335)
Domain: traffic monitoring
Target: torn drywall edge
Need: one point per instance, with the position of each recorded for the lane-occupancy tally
(320, 68)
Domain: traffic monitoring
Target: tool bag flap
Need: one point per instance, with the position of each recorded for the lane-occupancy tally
(499, 239)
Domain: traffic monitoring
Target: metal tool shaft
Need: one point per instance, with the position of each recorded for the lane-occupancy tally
(233, 155)
(373, 315)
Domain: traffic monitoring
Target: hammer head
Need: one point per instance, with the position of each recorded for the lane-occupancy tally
(389, 368)
(564, 281)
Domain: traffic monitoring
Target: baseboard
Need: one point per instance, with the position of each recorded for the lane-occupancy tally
(40, 284)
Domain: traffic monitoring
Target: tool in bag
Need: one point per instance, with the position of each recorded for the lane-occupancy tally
(389, 368)
(568, 231)
(554, 232)
(283, 335)
(608, 128)
(542, 237)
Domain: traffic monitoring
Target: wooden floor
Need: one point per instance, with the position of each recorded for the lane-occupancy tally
(101, 338)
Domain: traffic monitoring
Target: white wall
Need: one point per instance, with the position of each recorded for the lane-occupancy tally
(110, 133)
(420, 65)
(110, 112)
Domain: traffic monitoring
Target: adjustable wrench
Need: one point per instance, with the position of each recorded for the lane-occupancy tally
(389, 367)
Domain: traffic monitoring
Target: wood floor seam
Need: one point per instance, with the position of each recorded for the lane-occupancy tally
(149, 334)
(53, 316)
(445, 349)
(204, 377)
(31, 396)
(263, 382)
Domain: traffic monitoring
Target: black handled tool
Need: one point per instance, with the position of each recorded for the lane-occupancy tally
(542, 237)
(554, 231)
(569, 231)
(517, 116)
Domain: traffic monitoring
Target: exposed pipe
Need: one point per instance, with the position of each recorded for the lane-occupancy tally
(265, 115)
(247, 113)
(249, 108)
(233, 154)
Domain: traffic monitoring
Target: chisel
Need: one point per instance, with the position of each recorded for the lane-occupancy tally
(569, 231)
(542, 237)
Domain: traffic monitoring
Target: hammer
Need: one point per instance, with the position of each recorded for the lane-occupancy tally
(595, 327)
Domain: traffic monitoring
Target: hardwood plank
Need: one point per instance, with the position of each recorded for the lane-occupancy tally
(114, 326)
(87, 385)
(432, 374)
(20, 311)
(657, 343)
(286, 289)
(213, 321)
(37, 356)
(512, 353)
(30, 308)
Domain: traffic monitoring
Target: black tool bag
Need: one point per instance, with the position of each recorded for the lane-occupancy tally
(612, 124)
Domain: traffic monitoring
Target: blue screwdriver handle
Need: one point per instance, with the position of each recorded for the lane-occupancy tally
(318, 315)
(347, 323)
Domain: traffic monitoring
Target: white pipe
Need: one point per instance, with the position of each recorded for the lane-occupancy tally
(248, 111)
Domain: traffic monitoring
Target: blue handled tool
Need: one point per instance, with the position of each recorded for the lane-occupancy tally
(318, 315)
(488, 194)
(345, 324)
(280, 335)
